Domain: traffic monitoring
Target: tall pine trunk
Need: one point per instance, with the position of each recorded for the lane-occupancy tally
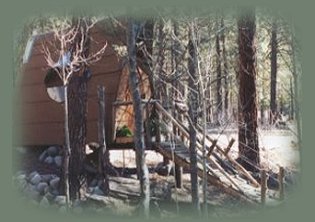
(133, 29)
(77, 98)
(77, 93)
(193, 106)
(219, 75)
(75, 112)
(225, 72)
(247, 122)
(273, 74)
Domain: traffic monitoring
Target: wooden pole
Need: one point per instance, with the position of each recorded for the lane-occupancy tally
(178, 175)
(263, 186)
(102, 141)
(227, 150)
(211, 149)
(281, 185)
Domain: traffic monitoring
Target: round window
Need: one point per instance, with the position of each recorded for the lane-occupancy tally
(54, 86)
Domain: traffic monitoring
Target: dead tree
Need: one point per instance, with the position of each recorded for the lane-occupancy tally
(133, 30)
(69, 58)
(247, 122)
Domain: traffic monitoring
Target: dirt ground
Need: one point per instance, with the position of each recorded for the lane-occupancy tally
(278, 148)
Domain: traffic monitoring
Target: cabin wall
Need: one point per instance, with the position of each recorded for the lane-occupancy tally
(41, 120)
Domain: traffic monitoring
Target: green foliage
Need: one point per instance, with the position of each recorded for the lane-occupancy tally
(124, 131)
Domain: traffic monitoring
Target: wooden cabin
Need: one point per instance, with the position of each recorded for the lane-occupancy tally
(41, 119)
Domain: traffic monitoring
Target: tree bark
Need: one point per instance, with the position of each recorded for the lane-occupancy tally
(192, 112)
(219, 76)
(138, 135)
(225, 72)
(77, 98)
(77, 93)
(273, 74)
(103, 151)
(247, 122)
(66, 154)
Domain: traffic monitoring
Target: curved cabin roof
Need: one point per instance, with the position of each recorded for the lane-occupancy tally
(41, 118)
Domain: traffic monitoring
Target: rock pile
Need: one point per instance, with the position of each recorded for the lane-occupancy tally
(51, 155)
(42, 189)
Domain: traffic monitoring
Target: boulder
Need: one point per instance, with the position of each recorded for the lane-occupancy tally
(54, 183)
(58, 161)
(48, 177)
(42, 187)
(49, 160)
(60, 200)
(36, 179)
(43, 156)
(32, 174)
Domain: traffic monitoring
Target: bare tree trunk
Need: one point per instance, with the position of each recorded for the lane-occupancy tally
(219, 76)
(273, 73)
(175, 95)
(248, 138)
(209, 107)
(133, 29)
(103, 152)
(77, 98)
(193, 106)
(225, 72)
(66, 154)
(73, 61)
(77, 93)
(164, 90)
